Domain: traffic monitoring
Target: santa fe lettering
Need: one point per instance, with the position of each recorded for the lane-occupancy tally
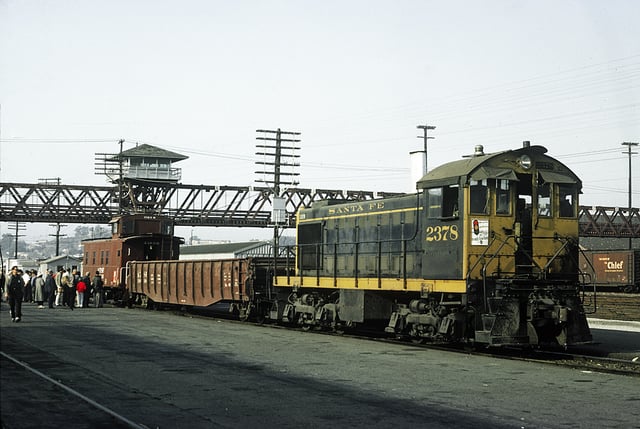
(356, 208)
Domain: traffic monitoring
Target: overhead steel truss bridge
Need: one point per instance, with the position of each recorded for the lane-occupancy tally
(230, 206)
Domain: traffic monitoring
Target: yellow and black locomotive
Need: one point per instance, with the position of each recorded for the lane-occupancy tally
(486, 251)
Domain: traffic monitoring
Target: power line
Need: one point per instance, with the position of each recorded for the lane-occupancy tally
(30, 140)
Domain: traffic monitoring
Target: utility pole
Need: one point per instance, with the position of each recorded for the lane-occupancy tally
(120, 211)
(57, 235)
(20, 226)
(277, 152)
(629, 145)
(425, 128)
(48, 182)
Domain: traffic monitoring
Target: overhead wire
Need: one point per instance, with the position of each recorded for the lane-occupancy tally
(574, 84)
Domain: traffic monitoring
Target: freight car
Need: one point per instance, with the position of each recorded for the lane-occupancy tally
(139, 237)
(612, 270)
(241, 285)
(486, 251)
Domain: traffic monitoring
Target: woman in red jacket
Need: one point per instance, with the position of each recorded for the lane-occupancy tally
(81, 287)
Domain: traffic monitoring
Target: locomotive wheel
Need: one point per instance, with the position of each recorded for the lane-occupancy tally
(244, 314)
(261, 315)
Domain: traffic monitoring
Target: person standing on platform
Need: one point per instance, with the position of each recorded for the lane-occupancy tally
(38, 289)
(14, 288)
(59, 287)
(87, 294)
(98, 285)
(65, 281)
(70, 289)
(81, 287)
(50, 288)
(28, 288)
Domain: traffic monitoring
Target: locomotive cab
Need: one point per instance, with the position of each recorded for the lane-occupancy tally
(517, 234)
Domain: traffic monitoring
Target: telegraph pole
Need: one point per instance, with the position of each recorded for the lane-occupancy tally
(277, 152)
(120, 210)
(629, 145)
(425, 128)
(57, 235)
(20, 226)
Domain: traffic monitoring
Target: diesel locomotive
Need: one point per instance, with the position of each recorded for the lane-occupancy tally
(486, 251)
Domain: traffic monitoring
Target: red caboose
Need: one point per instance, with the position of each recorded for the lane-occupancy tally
(138, 237)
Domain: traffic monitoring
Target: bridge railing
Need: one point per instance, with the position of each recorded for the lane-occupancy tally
(233, 206)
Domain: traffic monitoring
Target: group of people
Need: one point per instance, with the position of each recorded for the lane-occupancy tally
(63, 288)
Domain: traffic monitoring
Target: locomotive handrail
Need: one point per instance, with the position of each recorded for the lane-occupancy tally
(483, 255)
(335, 264)
(566, 241)
(356, 254)
(484, 265)
(493, 256)
(583, 274)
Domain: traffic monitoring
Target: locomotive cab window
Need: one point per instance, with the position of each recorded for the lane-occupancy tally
(479, 193)
(503, 197)
(567, 202)
(544, 198)
(442, 203)
(434, 203)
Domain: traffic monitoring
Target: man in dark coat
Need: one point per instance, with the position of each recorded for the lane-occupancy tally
(50, 288)
(87, 295)
(97, 285)
(14, 288)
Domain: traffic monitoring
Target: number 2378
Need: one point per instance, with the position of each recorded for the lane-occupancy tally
(442, 233)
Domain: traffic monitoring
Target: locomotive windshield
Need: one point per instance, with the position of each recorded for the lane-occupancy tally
(479, 196)
(503, 197)
(544, 199)
(442, 202)
(567, 194)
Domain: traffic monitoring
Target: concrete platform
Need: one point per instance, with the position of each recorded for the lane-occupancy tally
(614, 325)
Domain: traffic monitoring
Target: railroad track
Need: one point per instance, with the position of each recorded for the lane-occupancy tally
(551, 357)
(557, 357)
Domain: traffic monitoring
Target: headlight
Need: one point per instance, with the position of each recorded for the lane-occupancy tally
(525, 162)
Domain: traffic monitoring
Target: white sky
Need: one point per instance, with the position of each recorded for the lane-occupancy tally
(354, 77)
